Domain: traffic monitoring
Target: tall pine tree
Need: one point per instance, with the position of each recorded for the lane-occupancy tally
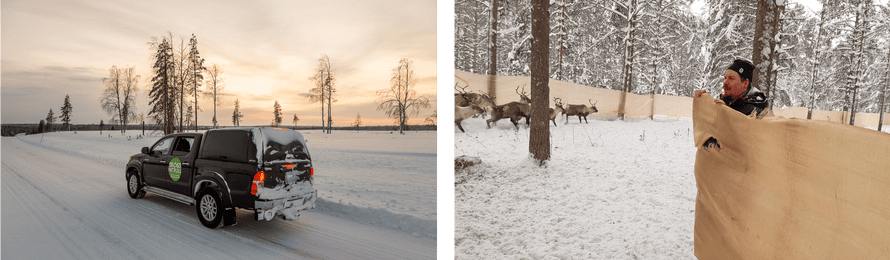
(276, 121)
(50, 118)
(162, 99)
(237, 115)
(66, 114)
(196, 68)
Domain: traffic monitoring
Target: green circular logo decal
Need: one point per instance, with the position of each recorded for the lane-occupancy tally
(175, 169)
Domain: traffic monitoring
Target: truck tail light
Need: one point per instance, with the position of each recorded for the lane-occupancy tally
(312, 171)
(258, 180)
(290, 165)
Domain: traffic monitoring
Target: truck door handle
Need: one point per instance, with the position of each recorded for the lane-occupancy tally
(162, 161)
(185, 164)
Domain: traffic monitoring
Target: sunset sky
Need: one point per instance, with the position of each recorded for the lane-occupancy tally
(268, 50)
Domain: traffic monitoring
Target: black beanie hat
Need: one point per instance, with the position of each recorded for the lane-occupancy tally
(744, 68)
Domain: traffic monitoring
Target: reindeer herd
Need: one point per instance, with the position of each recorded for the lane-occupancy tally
(468, 104)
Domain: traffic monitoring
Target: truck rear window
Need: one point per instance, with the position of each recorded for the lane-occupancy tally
(229, 145)
(284, 146)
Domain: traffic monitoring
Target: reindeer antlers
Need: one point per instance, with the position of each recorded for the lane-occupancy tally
(462, 90)
(523, 91)
(592, 104)
(484, 95)
(557, 101)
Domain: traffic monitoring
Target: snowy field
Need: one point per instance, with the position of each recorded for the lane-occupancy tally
(612, 190)
(377, 198)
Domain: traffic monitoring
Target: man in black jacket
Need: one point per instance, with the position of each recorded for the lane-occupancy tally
(737, 92)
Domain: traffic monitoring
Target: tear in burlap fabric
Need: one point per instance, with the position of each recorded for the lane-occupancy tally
(777, 188)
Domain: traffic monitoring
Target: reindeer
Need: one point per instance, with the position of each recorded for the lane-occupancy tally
(461, 113)
(557, 110)
(484, 101)
(513, 110)
(580, 111)
(523, 97)
(462, 98)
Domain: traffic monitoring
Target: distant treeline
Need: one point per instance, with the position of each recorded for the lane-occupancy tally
(13, 129)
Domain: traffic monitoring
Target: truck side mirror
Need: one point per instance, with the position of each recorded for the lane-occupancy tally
(145, 150)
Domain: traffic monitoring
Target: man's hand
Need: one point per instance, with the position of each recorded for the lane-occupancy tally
(699, 92)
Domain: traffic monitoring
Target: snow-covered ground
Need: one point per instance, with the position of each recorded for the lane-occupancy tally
(377, 197)
(612, 190)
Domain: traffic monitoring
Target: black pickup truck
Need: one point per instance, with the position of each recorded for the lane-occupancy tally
(267, 170)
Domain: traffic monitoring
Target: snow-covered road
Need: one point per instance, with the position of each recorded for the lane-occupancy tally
(61, 206)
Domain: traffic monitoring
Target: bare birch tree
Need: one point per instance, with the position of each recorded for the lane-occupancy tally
(119, 97)
(215, 86)
(181, 76)
(401, 100)
(324, 88)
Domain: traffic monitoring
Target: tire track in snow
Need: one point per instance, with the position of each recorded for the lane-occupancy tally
(79, 218)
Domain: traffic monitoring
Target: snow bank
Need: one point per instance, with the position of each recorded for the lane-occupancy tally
(612, 190)
(379, 217)
(373, 177)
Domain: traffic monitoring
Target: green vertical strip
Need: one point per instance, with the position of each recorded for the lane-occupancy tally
(446, 199)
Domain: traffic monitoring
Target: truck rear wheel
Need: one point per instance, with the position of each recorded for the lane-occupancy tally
(209, 208)
(134, 187)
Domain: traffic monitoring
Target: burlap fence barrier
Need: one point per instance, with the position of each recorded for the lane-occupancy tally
(777, 188)
(636, 107)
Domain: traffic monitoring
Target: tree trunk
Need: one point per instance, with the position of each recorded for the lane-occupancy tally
(493, 69)
(330, 98)
(181, 96)
(628, 58)
(816, 63)
(560, 41)
(323, 99)
(215, 124)
(860, 20)
(884, 90)
(196, 105)
(764, 34)
(539, 135)
(117, 85)
(475, 37)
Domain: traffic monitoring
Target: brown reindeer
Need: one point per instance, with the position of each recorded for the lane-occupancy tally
(555, 111)
(461, 113)
(523, 97)
(513, 110)
(580, 111)
(484, 101)
(462, 98)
